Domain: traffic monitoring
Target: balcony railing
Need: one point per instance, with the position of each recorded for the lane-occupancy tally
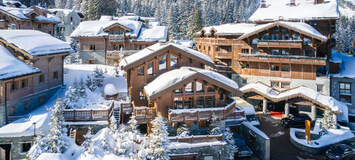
(280, 44)
(116, 38)
(182, 115)
(84, 115)
(282, 59)
(143, 114)
(197, 139)
(119, 54)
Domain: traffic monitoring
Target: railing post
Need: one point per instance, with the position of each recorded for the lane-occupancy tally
(91, 117)
(74, 119)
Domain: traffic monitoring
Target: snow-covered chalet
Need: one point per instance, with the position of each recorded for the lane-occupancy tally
(107, 40)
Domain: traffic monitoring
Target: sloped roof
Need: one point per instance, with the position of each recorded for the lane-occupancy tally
(154, 34)
(302, 92)
(300, 27)
(304, 10)
(11, 67)
(228, 29)
(184, 74)
(34, 42)
(22, 14)
(135, 58)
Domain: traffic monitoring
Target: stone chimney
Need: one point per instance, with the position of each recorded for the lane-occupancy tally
(292, 2)
(263, 4)
(318, 1)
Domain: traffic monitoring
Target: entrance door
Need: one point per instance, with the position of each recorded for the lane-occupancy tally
(5, 151)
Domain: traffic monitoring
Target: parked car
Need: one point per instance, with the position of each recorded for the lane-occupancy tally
(243, 149)
(295, 121)
(340, 151)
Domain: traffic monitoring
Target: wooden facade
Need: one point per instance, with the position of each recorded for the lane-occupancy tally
(10, 21)
(277, 51)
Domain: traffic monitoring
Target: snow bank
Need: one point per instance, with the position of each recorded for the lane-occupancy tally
(304, 10)
(334, 136)
(11, 67)
(35, 42)
(51, 156)
(110, 90)
(270, 93)
(24, 126)
(181, 145)
(175, 76)
(160, 46)
(347, 64)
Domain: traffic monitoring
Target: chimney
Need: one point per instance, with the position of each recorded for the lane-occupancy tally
(292, 2)
(263, 4)
(318, 1)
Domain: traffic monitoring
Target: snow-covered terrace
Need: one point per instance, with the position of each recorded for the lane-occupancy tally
(303, 10)
(299, 92)
(346, 64)
(36, 43)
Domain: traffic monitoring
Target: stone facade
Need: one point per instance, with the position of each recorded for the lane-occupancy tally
(70, 20)
(16, 144)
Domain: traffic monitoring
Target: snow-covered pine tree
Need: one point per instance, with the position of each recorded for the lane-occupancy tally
(59, 3)
(71, 98)
(328, 122)
(84, 8)
(38, 148)
(216, 127)
(57, 131)
(87, 144)
(90, 84)
(98, 77)
(231, 147)
(195, 21)
(113, 124)
(82, 88)
(173, 22)
(94, 9)
(129, 140)
(69, 4)
(158, 139)
(76, 5)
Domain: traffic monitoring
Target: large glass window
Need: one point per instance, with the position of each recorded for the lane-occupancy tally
(173, 61)
(345, 92)
(188, 88)
(178, 101)
(187, 102)
(150, 68)
(141, 71)
(275, 67)
(162, 63)
(199, 87)
(200, 102)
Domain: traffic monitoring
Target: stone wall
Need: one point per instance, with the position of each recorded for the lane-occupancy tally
(16, 145)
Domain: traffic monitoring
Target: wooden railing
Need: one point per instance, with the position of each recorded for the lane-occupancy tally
(72, 115)
(143, 114)
(126, 108)
(197, 139)
(282, 59)
(202, 114)
(116, 38)
(280, 44)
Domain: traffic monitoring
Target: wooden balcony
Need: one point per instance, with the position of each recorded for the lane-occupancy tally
(223, 55)
(116, 38)
(115, 54)
(84, 115)
(197, 139)
(143, 114)
(287, 59)
(279, 44)
(4, 24)
(199, 114)
(126, 108)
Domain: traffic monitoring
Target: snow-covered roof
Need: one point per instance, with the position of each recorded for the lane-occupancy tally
(21, 13)
(245, 106)
(65, 11)
(110, 90)
(346, 64)
(228, 29)
(11, 67)
(304, 92)
(300, 27)
(146, 52)
(186, 43)
(303, 10)
(96, 28)
(176, 76)
(35, 42)
(155, 33)
(14, 2)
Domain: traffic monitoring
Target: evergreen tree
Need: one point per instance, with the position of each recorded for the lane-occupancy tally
(69, 4)
(90, 84)
(158, 139)
(113, 124)
(88, 144)
(328, 121)
(195, 21)
(173, 22)
(98, 77)
(76, 5)
(231, 147)
(59, 3)
(71, 98)
(93, 9)
(84, 8)
(57, 131)
(82, 89)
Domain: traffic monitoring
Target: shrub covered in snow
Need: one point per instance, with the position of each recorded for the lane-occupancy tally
(158, 140)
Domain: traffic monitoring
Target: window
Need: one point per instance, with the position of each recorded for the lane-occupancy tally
(319, 88)
(244, 66)
(218, 49)
(92, 46)
(188, 88)
(210, 101)
(162, 63)
(25, 147)
(345, 92)
(275, 52)
(178, 91)
(190, 60)
(115, 47)
(285, 84)
(138, 47)
(200, 102)
(285, 68)
(313, 23)
(178, 102)
(296, 36)
(275, 67)
(55, 75)
(275, 84)
(226, 48)
(306, 41)
(199, 87)
(141, 71)
(244, 81)
(150, 68)
(116, 32)
(24, 83)
(14, 85)
(39, 26)
(245, 50)
(141, 96)
(285, 52)
(173, 61)
(210, 90)
(265, 37)
(41, 78)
